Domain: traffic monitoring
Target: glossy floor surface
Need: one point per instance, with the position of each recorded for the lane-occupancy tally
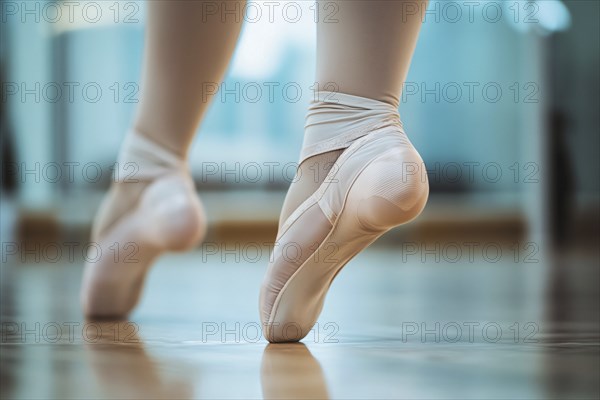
(393, 327)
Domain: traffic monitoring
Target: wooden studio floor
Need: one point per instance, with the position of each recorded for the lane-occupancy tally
(391, 328)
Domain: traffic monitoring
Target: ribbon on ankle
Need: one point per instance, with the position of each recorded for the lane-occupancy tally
(335, 120)
(142, 159)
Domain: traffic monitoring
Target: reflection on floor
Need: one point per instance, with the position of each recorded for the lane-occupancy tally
(393, 327)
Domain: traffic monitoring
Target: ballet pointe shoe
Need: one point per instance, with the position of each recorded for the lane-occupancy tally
(378, 182)
(167, 217)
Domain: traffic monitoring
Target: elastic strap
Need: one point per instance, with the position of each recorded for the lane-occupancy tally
(335, 120)
(141, 158)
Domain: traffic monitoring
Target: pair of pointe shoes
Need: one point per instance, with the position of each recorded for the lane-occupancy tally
(377, 183)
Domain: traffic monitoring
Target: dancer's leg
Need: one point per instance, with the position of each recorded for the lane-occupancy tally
(186, 50)
(153, 207)
(376, 183)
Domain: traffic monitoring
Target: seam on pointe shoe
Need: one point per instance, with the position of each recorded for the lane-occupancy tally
(327, 211)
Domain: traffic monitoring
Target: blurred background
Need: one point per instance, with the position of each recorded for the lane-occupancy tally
(501, 100)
